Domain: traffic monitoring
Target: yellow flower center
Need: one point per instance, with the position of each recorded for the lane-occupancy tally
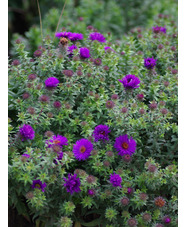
(82, 149)
(102, 132)
(125, 145)
(56, 141)
(38, 185)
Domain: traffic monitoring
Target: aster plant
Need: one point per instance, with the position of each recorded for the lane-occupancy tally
(82, 151)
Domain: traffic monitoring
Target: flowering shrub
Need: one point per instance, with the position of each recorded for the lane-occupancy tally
(86, 149)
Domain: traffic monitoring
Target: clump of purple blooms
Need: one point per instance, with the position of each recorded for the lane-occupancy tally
(149, 63)
(82, 149)
(63, 34)
(69, 35)
(97, 36)
(75, 36)
(27, 132)
(115, 180)
(101, 133)
(130, 82)
(72, 183)
(159, 29)
(124, 145)
(84, 52)
(38, 184)
(51, 82)
(57, 140)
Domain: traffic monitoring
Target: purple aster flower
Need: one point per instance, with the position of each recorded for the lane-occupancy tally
(101, 133)
(166, 219)
(75, 36)
(51, 82)
(130, 82)
(63, 34)
(125, 145)
(71, 49)
(115, 180)
(27, 132)
(159, 29)
(149, 63)
(59, 157)
(82, 149)
(57, 140)
(97, 36)
(72, 183)
(38, 184)
(130, 190)
(26, 155)
(91, 192)
(84, 52)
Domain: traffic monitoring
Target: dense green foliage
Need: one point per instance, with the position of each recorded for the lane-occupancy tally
(84, 98)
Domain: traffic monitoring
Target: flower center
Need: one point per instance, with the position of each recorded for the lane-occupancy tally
(56, 141)
(125, 145)
(102, 132)
(129, 80)
(38, 185)
(82, 149)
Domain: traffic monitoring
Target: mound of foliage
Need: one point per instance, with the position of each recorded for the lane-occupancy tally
(93, 129)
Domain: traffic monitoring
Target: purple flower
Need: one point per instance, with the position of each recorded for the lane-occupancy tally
(159, 29)
(130, 82)
(84, 52)
(51, 82)
(149, 63)
(125, 145)
(26, 155)
(101, 133)
(57, 140)
(82, 149)
(166, 219)
(71, 49)
(72, 183)
(97, 36)
(38, 184)
(115, 180)
(75, 36)
(27, 132)
(91, 192)
(63, 34)
(129, 191)
(59, 157)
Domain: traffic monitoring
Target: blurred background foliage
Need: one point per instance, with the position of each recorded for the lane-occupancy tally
(116, 16)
